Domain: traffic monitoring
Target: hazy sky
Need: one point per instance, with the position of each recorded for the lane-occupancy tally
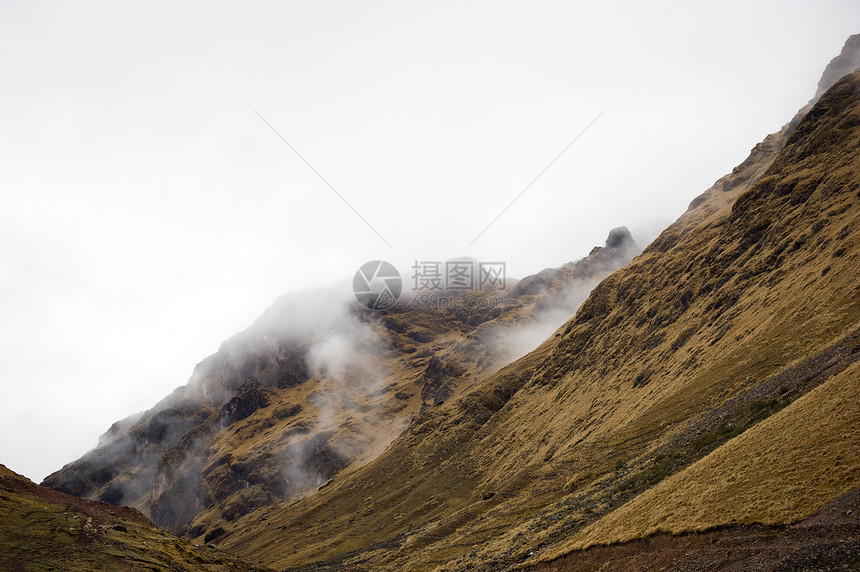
(147, 213)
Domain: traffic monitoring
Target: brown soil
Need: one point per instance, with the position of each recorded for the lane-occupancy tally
(827, 540)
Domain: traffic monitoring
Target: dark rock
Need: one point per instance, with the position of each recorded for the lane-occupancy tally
(250, 396)
(846, 62)
(213, 534)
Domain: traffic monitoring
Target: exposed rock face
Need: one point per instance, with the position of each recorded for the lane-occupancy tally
(439, 380)
(618, 250)
(846, 62)
(121, 469)
(250, 396)
(762, 154)
(620, 238)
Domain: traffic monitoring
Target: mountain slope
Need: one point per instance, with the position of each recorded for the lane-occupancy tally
(42, 529)
(771, 474)
(743, 306)
(318, 386)
(806, 454)
(330, 436)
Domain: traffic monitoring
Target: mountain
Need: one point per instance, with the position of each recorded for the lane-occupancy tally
(43, 529)
(711, 382)
(704, 391)
(317, 386)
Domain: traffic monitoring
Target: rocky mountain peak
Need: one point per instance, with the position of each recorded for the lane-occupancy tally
(619, 237)
(846, 62)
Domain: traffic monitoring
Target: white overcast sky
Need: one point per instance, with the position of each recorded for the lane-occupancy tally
(147, 213)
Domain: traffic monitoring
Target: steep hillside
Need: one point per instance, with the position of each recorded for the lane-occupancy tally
(734, 315)
(318, 386)
(806, 454)
(42, 529)
(762, 476)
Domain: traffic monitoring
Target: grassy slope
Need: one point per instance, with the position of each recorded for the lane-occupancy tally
(779, 471)
(807, 454)
(42, 529)
(738, 299)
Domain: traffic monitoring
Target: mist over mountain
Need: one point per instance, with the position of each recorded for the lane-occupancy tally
(661, 408)
(846, 62)
(44, 529)
(317, 385)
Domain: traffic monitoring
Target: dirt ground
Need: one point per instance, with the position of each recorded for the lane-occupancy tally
(827, 540)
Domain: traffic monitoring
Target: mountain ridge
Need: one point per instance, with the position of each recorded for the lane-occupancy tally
(301, 368)
(721, 359)
(721, 281)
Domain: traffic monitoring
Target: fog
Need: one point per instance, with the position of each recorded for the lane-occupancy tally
(147, 214)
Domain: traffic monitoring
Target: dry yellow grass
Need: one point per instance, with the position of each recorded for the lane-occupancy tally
(777, 472)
